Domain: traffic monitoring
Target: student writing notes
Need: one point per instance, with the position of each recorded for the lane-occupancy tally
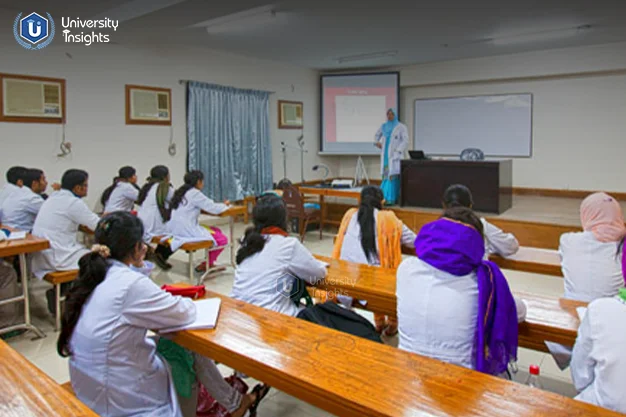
(122, 194)
(114, 367)
(598, 363)
(22, 208)
(187, 204)
(373, 236)
(269, 258)
(58, 221)
(592, 259)
(15, 180)
(496, 241)
(453, 305)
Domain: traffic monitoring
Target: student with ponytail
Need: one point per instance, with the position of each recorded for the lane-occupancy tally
(114, 366)
(268, 257)
(154, 208)
(373, 236)
(496, 241)
(123, 193)
(187, 204)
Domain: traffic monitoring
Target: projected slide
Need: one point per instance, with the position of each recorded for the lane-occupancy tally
(353, 108)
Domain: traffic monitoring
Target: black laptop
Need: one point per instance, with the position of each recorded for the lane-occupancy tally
(418, 155)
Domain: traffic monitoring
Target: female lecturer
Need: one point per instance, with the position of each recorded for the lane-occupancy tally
(393, 139)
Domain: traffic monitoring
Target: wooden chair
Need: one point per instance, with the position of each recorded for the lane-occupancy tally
(294, 201)
(56, 279)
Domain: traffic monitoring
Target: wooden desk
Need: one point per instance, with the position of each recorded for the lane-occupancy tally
(21, 248)
(424, 182)
(350, 376)
(548, 319)
(323, 192)
(534, 260)
(26, 391)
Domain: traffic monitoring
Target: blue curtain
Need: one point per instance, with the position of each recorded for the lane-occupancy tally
(228, 139)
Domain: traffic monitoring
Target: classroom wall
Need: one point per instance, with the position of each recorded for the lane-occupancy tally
(101, 141)
(579, 122)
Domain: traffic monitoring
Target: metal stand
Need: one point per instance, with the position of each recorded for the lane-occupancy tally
(361, 172)
(302, 151)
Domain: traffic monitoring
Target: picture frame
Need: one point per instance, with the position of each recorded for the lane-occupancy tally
(290, 114)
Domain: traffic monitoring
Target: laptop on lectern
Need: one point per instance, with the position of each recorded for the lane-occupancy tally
(418, 155)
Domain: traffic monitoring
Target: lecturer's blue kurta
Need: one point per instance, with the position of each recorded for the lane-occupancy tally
(395, 140)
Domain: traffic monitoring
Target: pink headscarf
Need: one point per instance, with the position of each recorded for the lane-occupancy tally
(602, 215)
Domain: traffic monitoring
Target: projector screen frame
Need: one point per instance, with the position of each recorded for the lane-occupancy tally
(532, 116)
(375, 151)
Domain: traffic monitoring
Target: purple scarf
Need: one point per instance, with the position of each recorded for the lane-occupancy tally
(458, 249)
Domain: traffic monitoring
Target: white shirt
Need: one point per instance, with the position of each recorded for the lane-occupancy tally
(265, 278)
(592, 269)
(150, 215)
(437, 312)
(352, 251)
(498, 242)
(398, 145)
(21, 209)
(114, 367)
(598, 362)
(122, 198)
(184, 226)
(5, 192)
(58, 221)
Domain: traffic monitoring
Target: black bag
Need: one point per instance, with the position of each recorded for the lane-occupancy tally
(334, 316)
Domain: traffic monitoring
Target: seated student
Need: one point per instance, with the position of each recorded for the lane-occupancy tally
(592, 260)
(598, 363)
(114, 367)
(268, 257)
(15, 181)
(58, 221)
(373, 236)
(453, 305)
(21, 209)
(187, 204)
(496, 241)
(122, 194)
(154, 206)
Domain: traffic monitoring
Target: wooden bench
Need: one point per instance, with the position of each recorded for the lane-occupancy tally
(27, 391)
(191, 248)
(350, 376)
(56, 279)
(533, 260)
(548, 318)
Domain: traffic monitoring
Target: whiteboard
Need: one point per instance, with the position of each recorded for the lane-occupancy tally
(499, 125)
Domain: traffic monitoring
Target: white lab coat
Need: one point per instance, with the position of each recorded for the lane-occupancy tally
(352, 251)
(399, 144)
(437, 312)
(598, 363)
(122, 198)
(592, 269)
(21, 209)
(498, 242)
(58, 221)
(150, 215)
(184, 226)
(265, 278)
(114, 368)
(5, 192)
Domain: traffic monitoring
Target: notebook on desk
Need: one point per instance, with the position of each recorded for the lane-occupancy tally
(207, 311)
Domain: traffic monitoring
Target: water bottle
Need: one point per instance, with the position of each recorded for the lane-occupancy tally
(533, 377)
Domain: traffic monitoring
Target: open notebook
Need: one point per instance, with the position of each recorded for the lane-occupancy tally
(207, 311)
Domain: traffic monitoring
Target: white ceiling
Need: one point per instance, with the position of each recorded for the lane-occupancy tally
(315, 33)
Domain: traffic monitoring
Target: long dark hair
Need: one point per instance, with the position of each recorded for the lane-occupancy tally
(464, 215)
(269, 211)
(121, 232)
(125, 173)
(191, 179)
(457, 195)
(371, 198)
(158, 174)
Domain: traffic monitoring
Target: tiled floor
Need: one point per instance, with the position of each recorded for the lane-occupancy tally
(43, 352)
